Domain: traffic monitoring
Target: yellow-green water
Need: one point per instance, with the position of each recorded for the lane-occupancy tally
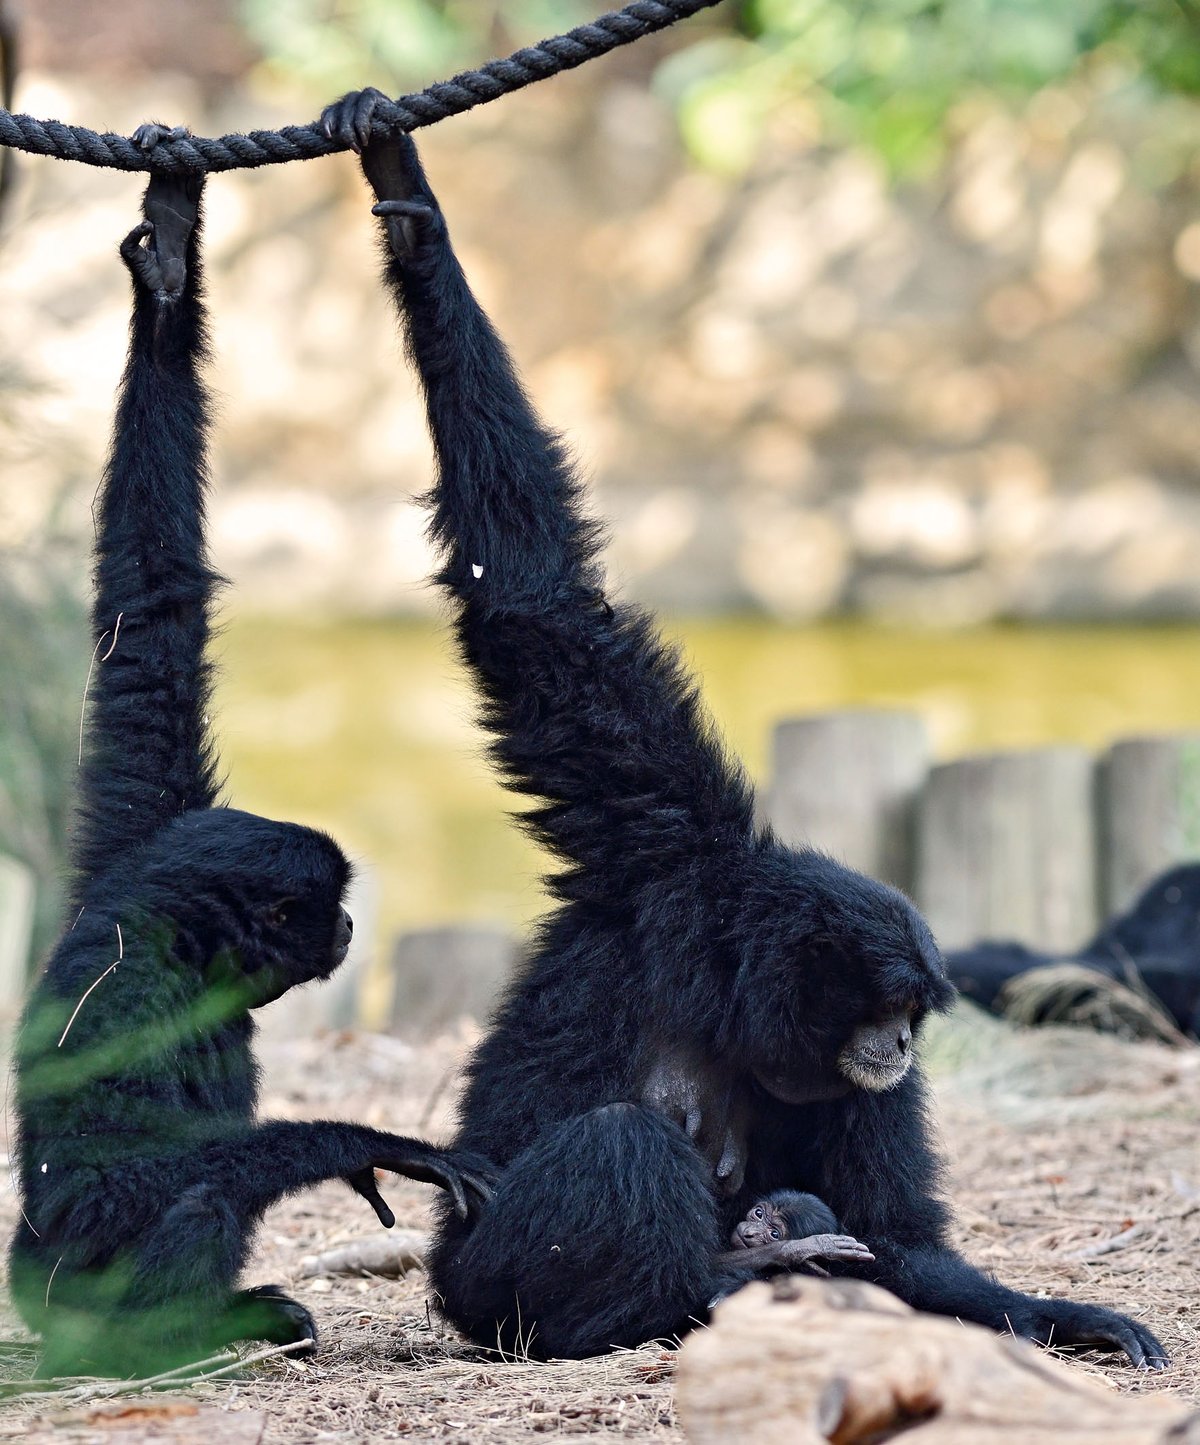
(365, 728)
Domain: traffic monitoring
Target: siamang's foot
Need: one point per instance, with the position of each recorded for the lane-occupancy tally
(409, 225)
(364, 1183)
(468, 1178)
(266, 1313)
(1063, 1323)
(156, 251)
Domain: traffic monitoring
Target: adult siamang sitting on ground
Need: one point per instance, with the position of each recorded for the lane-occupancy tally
(776, 992)
(142, 1171)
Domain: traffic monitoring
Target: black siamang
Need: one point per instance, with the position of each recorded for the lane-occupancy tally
(780, 990)
(1155, 945)
(143, 1173)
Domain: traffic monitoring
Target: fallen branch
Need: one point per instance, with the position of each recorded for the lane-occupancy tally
(1108, 1246)
(84, 1389)
(391, 1255)
(815, 1361)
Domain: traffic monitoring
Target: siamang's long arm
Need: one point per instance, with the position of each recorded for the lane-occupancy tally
(899, 1214)
(591, 712)
(148, 755)
(250, 1170)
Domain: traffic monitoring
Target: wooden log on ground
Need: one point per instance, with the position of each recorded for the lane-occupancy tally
(18, 896)
(444, 974)
(1006, 849)
(807, 1361)
(1147, 813)
(847, 783)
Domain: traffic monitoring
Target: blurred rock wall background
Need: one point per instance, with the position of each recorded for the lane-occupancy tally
(801, 388)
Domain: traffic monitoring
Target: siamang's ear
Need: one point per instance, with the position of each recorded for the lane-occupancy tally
(277, 912)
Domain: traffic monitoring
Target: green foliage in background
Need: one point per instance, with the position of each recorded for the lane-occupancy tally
(43, 635)
(885, 73)
(337, 45)
(889, 73)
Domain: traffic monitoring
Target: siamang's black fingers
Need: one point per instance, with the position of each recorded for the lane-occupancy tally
(812, 1267)
(147, 136)
(455, 1173)
(480, 1186)
(348, 120)
(455, 1186)
(1063, 1323)
(364, 114)
(364, 1184)
(1138, 1343)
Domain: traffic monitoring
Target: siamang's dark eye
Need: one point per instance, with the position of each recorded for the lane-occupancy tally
(279, 917)
(758, 1212)
(774, 1234)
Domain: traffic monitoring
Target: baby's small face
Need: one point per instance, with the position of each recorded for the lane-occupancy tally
(762, 1225)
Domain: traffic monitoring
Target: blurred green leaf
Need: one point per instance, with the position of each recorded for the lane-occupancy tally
(337, 45)
(883, 73)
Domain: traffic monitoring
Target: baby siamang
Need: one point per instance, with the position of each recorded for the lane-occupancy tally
(790, 1230)
(782, 990)
(143, 1173)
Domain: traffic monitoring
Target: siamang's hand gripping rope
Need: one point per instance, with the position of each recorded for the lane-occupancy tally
(304, 142)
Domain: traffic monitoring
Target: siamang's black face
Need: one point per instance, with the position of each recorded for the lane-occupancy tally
(837, 973)
(275, 918)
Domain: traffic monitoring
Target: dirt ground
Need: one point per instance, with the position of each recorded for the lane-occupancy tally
(1059, 1142)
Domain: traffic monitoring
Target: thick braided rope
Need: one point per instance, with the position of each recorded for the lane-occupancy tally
(304, 142)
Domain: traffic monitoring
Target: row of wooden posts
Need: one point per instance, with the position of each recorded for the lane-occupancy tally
(1037, 845)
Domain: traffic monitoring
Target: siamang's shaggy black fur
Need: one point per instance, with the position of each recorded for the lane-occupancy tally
(142, 1170)
(780, 989)
(1155, 945)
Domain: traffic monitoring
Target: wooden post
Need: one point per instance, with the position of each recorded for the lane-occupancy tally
(18, 896)
(443, 974)
(1005, 849)
(1147, 813)
(847, 783)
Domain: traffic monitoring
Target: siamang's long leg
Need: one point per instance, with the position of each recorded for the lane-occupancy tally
(602, 1234)
(591, 712)
(148, 756)
(172, 1299)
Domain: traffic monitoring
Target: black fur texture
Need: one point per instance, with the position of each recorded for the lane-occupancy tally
(679, 925)
(804, 1214)
(1155, 945)
(142, 1171)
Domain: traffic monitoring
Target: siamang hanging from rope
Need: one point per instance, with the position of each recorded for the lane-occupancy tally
(143, 1173)
(771, 993)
